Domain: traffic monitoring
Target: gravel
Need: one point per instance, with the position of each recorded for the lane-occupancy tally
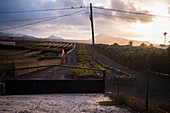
(57, 103)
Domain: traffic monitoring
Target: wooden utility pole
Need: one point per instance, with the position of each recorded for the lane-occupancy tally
(165, 38)
(92, 28)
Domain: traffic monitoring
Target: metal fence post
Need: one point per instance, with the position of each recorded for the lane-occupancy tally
(104, 80)
(118, 85)
(147, 91)
(2, 84)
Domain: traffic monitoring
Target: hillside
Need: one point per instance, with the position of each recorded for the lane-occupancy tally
(100, 38)
(7, 36)
(107, 39)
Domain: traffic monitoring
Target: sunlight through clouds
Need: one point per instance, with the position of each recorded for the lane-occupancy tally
(78, 26)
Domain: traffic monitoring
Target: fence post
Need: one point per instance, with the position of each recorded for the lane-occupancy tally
(147, 91)
(2, 84)
(118, 85)
(104, 80)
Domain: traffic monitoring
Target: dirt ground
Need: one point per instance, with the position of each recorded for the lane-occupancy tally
(57, 103)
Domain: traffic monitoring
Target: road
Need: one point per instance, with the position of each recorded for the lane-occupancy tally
(54, 73)
(159, 87)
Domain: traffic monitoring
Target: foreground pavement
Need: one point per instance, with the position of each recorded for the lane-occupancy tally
(57, 103)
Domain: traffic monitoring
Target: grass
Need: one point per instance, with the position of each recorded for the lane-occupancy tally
(120, 76)
(107, 103)
(134, 103)
(85, 60)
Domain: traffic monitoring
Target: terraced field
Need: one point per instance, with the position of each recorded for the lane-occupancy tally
(31, 54)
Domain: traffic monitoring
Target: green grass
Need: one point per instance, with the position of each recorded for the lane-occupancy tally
(85, 60)
(121, 76)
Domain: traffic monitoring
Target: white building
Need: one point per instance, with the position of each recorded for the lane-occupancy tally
(163, 47)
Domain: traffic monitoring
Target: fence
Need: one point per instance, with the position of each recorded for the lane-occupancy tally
(53, 79)
(146, 92)
(29, 62)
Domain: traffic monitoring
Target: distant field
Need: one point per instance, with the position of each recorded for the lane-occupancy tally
(138, 58)
(32, 53)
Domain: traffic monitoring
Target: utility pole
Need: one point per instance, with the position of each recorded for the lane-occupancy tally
(92, 28)
(165, 37)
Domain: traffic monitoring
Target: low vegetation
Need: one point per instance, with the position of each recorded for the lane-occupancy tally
(138, 58)
(134, 103)
(85, 60)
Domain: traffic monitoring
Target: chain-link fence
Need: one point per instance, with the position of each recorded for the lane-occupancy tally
(145, 92)
(142, 91)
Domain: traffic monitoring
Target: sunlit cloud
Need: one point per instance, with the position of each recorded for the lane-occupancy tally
(78, 26)
(130, 6)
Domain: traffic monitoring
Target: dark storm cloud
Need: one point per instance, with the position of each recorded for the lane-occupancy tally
(121, 5)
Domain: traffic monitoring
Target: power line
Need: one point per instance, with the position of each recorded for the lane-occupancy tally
(120, 16)
(26, 11)
(42, 20)
(137, 13)
(108, 16)
(12, 21)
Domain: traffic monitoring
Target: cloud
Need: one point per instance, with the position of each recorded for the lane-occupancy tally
(75, 26)
(68, 27)
(19, 5)
(153, 1)
(130, 6)
(114, 28)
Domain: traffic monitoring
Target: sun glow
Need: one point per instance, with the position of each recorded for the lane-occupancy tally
(154, 30)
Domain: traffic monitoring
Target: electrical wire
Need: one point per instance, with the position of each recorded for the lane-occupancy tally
(26, 11)
(13, 21)
(10, 21)
(42, 20)
(108, 16)
(120, 16)
(137, 13)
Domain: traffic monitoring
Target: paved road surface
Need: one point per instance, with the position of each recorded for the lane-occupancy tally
(159, 87)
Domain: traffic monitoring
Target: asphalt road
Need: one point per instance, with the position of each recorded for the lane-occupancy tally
(159, 87)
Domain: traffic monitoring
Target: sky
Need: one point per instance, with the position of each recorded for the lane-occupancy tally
(77, 26)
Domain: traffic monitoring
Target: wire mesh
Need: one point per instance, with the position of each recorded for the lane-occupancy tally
(158, 90)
